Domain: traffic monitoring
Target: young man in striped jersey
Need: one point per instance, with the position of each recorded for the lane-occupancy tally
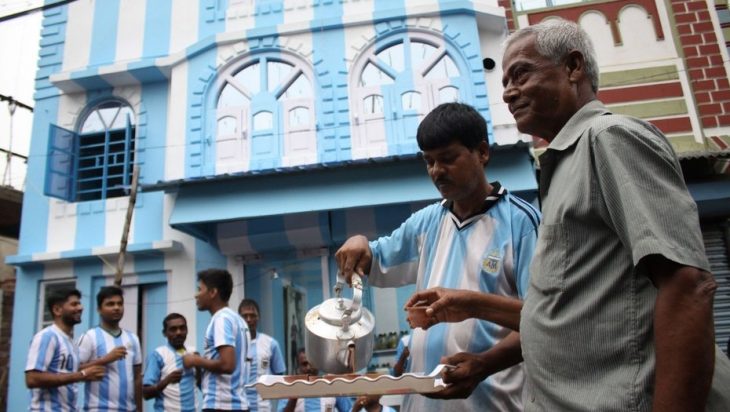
(479, 237)
(165, 379)
(119, 351)
(52, 369)
(226, 345)
(264, 355)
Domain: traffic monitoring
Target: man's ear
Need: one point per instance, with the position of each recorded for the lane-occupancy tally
(54, 308)
(575, 66)
(483, 150)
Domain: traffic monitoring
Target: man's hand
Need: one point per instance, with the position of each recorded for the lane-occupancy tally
(368, 403)
(93, 373)
(467, 370)
(190, 360)
(173, 377)
(431, 306)
(117, 353)
(354, 257)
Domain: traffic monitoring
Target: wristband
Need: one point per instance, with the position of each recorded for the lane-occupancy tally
(83, 373)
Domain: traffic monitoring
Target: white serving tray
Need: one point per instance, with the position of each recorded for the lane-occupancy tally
(301, 386)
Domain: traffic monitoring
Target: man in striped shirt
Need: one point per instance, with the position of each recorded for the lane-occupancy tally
(479, 237)
(52, 369)
(264, 355)
(116, 349)
(165, 379)
(226, 345)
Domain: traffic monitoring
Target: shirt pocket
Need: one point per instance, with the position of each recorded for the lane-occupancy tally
(547, 271)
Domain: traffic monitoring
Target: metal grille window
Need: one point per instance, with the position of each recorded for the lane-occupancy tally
(95, 163)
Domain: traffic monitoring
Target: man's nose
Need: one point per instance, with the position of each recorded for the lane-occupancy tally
(509, 94)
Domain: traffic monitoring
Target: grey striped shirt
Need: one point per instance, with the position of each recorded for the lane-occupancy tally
(612, 193)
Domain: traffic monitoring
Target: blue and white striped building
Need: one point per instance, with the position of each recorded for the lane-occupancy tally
(266, 131)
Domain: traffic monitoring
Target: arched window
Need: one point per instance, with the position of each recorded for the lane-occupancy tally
(95, 162)
(264, 115)
(395, 84)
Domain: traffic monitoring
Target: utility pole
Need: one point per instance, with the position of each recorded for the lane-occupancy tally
(12, 106)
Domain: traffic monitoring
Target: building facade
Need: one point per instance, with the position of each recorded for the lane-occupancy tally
(267, 132)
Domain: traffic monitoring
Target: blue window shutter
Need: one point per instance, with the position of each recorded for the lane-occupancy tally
(61, 164)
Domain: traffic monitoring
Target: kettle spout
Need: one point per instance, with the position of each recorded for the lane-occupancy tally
(346, 356)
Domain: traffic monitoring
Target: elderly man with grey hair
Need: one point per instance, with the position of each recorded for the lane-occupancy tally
(618, 315)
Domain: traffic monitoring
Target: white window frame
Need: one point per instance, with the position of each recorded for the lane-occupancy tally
(42, 293)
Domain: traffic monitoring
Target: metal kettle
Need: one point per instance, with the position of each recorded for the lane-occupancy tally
(339, 331)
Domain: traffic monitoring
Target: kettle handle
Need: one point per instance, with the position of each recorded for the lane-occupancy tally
(356, 292)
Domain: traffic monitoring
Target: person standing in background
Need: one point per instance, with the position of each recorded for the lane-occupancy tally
(264, 355)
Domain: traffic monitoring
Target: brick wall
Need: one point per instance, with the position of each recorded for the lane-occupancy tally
(507, 4)
(706, 70)
(7, 288)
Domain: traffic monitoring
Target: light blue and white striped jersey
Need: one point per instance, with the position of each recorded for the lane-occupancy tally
(489, 252)
(319, 405)
(403, 343)
(265, 358)
(176, 397)
(225, 391)
(115, 392)
(52, 350)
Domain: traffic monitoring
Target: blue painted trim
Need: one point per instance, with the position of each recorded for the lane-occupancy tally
(146, 248)
(157, 27)
(331, 86)
(104, 32)
(23, 329)
(149, 221)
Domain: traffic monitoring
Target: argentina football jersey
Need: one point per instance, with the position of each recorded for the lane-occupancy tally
(225, 391)
(115, 391)
(52, 350)
(488, 252)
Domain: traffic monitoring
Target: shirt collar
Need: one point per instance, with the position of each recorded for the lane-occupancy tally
(577, 124)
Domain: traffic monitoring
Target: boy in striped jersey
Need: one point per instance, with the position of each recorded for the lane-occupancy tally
(52, 369)
(226, 345)
(479, 237)
(119, 351)
(165, 379)
(264, 355)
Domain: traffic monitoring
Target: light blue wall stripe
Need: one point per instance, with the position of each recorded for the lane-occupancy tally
(149, 220)
(34, 219)
(104, 32)
(331, 104)
(157, 26)
(200, 58)
(269, 13)
(24, 327)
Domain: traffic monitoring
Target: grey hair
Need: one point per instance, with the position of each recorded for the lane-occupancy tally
(555, 38)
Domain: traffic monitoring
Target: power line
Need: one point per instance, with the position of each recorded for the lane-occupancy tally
(33, 10)
(11, 100)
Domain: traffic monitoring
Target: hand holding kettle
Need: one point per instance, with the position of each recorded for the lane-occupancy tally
(354, 257)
